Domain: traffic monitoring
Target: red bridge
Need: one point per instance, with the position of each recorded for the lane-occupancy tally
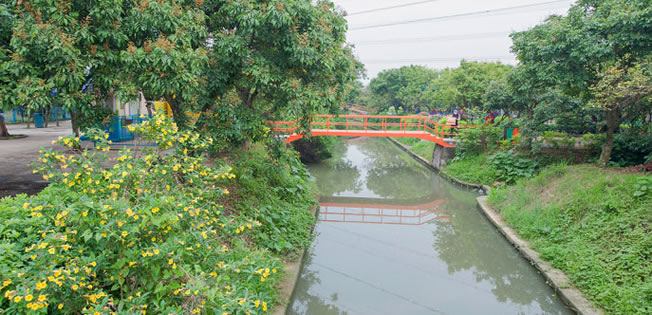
(366, 126)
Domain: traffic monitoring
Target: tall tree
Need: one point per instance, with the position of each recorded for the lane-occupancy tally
(622, 92)
(280, 58)
(7, 20)
(573, 52)
(115, 46)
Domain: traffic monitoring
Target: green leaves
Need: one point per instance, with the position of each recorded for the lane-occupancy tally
(510, 167)
(643, 186)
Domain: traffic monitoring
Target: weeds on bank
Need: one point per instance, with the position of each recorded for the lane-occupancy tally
(591, 223)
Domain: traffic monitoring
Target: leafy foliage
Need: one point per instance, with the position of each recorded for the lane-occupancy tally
(643, 186)
(595, 53)
(153, 233)
(632, 147)
(482, 138)
(510, 166)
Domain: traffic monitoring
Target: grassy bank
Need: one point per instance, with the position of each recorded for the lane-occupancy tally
(592, 223)
(419, 147)
(474, 169)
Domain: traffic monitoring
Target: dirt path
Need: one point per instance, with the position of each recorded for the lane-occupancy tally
(16, 156)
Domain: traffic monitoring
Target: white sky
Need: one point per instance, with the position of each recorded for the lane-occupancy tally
(482, 37)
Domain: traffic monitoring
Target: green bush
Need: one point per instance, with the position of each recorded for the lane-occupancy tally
(510, 166)
(559, 140)
(149, 234)
(477, 140)
(276, 191)
(632, 147)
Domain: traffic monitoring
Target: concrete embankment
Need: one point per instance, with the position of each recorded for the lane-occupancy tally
(554, 277)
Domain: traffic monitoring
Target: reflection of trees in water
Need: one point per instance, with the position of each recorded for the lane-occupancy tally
(467, 243)
(306, 303)
(336, 176)
(397, 181)
(393, 173)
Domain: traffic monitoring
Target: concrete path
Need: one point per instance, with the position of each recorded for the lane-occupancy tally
(16, 156)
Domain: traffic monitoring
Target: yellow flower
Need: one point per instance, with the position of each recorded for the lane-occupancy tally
(60, 306)
(42, 298)
(51, 250)
(28, 297)
(6, 283)
(74, 287)
(124, 233)
(41, 285)
(17, 299)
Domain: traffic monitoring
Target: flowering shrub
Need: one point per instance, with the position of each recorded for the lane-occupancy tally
(143, 232)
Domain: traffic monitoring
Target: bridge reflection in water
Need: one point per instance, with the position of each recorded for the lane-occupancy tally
(348, 210)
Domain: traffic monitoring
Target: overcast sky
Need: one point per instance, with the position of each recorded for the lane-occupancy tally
(451, 31)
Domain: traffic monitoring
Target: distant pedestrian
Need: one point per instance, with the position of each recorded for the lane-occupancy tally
(489, 119)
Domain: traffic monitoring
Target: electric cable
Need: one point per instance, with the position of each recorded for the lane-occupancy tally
(391, 7)
(460, 15)
(432, 38)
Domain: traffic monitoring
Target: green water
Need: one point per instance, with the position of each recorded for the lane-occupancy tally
(395, 238)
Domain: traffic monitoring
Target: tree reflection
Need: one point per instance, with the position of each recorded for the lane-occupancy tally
(467, 243)
(337, 176)
(306, 303)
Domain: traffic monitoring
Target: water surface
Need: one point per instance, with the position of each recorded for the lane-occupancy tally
(395, 238)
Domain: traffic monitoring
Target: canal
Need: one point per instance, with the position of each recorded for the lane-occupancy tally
(395, 238)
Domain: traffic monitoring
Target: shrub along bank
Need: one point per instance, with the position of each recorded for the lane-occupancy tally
(162, 231)
(592, 223)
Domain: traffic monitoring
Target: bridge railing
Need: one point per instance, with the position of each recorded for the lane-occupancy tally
(388, 123)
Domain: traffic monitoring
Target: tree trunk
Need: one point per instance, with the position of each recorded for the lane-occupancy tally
(45, 117)
(613, 120)
(73, 121)
(4, 132)
(179, 116)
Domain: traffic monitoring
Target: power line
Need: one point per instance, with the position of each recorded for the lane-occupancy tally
(391, 7)
(432, 38)
(444, 59)
(458, 15)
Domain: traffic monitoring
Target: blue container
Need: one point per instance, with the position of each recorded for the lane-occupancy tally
(39, 122)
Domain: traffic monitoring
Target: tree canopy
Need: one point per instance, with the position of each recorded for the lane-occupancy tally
(577, 52)
(259, 58)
